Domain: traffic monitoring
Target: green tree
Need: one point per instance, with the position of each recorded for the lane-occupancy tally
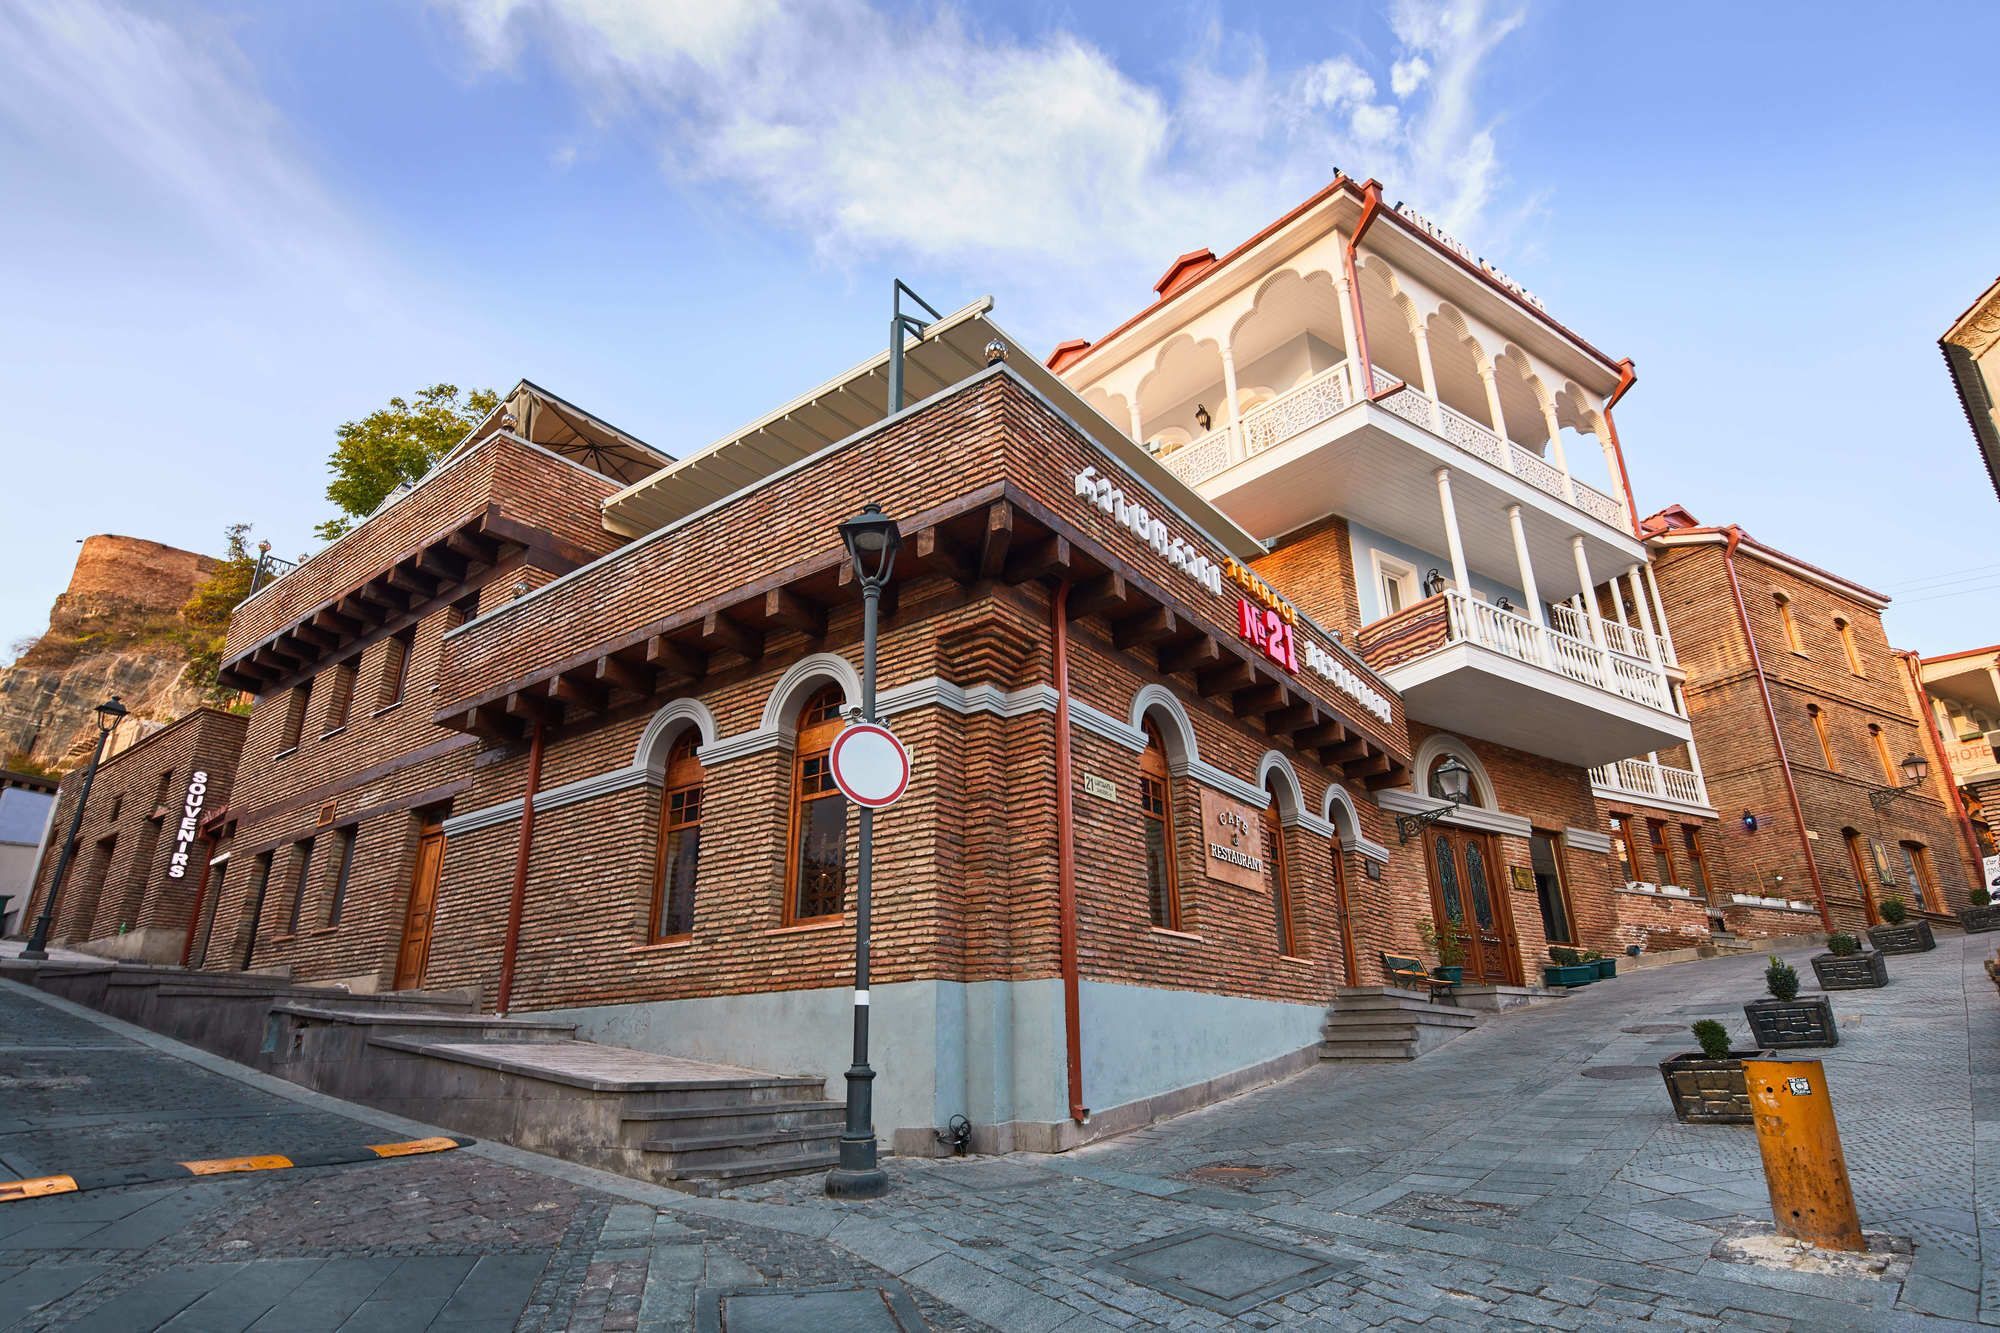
(205, 615)
(396, 444)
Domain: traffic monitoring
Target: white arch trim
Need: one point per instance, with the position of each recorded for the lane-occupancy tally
(781, 710)
(1182, 749)
(651, 752)
(1412, 801)
(1343, 818)
(1435, 747)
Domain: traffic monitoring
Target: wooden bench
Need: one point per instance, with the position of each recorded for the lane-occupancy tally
(1411, 974)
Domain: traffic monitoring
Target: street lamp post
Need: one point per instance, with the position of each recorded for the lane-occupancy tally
(871, 538)
(108, 714)
(1915, 768)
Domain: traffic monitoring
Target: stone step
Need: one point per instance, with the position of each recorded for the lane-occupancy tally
(1365, 1031)
(750, 1171)
(1403, 1002)
(1368, 1050)
(719, 1150)
(731, 1117)
(1439, 1016)
(717, 1095)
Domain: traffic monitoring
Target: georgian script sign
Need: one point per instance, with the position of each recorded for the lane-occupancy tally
(1232, 838)
(190, 824)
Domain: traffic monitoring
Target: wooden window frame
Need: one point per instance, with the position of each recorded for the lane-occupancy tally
(1281, 878)
(1698, 859)
(301, 883)
(1923, 876)
(342, 704)
(813, 740)
(1845, 628)
(1788, 623)
(1662, 848)
(1817, 716)
(1621, 834)
(348, 837)
(401, 647)
(1890, 774)
(683, 775)
(1559, 853)
(297, 704)
(1155, 771)
(1857, 862)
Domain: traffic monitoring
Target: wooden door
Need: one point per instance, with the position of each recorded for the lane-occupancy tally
(417, 918)
(1350, 977)
(1468, 889)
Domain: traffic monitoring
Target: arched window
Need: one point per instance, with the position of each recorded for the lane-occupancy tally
(1281, 871)
(817, 878)
(678, 858)
(1825, 739)
(1847, 642)
(1789, 625)
(1156, 815)
(1890, 774)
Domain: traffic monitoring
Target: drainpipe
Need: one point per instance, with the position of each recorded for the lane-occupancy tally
(1771, 717)
(1627, 377)
(518, 902)
(194, 916)
(1066, 862)
(1974, 863)
(1371, 204)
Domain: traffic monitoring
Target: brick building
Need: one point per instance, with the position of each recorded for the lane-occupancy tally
(1802, 711)
(1962, 691)
(137, 870)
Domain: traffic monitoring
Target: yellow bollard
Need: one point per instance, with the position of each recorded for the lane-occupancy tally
(1811, 1199)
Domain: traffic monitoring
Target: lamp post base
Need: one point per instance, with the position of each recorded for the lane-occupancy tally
(34, 955)
(850, 1183)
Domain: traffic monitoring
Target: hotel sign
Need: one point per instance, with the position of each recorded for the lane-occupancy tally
(1264, 619)
(190, 824)
(1459, 248)
(1233, 835)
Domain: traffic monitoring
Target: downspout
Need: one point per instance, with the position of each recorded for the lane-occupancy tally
(1066, 862)
(194, 915)
(1974, 862)
(1771, 717)
(517, 904)
(1627, 377)
(1371, 204)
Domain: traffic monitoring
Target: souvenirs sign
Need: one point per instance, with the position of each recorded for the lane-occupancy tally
(189, 827)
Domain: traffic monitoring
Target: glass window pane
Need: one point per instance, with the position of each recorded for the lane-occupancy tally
(1548, 888)
(683, 857)
(1475, 879)
(822, 857)
(1158, 891)
(1447, 870)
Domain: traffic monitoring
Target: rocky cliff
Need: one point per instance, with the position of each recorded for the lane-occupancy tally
(112, 631)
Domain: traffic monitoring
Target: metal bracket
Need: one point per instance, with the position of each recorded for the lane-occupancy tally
(1408, 826)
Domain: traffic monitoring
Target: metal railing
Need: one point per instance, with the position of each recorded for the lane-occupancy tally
(1334, 390)
(1644, 778)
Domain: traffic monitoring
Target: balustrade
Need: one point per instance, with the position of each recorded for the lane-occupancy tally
(1644, 778)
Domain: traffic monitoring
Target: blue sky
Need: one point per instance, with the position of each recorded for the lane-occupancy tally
(228, 227)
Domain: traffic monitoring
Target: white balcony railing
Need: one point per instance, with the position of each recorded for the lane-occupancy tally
(1472, 621)
(1644, 779)
(1334, 390)
(1618, 636)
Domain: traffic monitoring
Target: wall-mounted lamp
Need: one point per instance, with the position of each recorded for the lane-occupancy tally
(1201, 417)
(1433, 583)
(1749, 822)
(1914, 768)
(1454, 783)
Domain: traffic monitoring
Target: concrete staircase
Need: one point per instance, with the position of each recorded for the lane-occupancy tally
(1384, 1023)
(712, 1134)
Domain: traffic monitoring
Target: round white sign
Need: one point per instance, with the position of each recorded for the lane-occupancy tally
(870, 765)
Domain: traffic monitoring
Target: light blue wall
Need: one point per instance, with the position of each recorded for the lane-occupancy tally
(1365, 541)
(1140, 1041)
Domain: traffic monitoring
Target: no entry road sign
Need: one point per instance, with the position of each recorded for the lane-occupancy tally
(870, 765)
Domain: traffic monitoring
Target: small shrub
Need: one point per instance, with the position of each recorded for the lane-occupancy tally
(1781, 979)
(1564, 956)
(1843, 946)
(1714, 1039)
(1981, 896)
(1893, 911)
(1592, 956)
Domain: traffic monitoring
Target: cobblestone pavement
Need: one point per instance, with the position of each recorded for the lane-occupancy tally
(481, 1238)
(1529, 1174)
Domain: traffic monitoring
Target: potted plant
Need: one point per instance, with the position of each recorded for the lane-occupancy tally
(1898, 935)
(1606, 967)
(1707, 1086)
(1447, 946)
(1846, 966)
(1982, 915)
(1568, 968)
(1786, 1020)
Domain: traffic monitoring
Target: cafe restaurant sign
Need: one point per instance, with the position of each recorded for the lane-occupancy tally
(1233, 835)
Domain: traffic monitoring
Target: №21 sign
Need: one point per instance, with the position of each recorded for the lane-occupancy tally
(1268, 632)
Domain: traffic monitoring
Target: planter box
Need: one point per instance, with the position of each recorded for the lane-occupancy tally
(1709, 1092)
(1857, 971)
(1606, 968)
(1575, 974)
(1979, 920)
(1910, 937)
(1785, 1023)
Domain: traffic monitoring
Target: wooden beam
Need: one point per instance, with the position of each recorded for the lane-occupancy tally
(1343, 754)
(718, 631)
(1051, 556)
(378, 593)
(998, 538)
(530, 707)
(1396, 775)
(305, 633)
(474, 549)
(334, 622)
(934, 551)
(632, 677)
(1234, 674)
(490, 722)
(675, 661)
(578, 693)
(1149, 626)
(411, 580)
(1289, 720)
(1260, 699)
(1329, 732)
(1196, 655)
(782, 606)
(433, 561)
(1105, 593)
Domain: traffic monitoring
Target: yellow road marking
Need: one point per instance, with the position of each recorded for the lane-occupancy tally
(412, 1147)
(36, 1187)
(218, 1166)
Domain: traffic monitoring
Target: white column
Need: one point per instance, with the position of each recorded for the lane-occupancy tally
(1499, 417)
(1138, 435)
(1452, 539)
(1237, 444)
(1350, 337)
(1424, 359)
(1660, 614)
(1588, 596)
(1645, 615)
(1556, 449)
(1528, 588)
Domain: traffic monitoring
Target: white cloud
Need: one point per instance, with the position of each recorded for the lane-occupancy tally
(922, 133)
